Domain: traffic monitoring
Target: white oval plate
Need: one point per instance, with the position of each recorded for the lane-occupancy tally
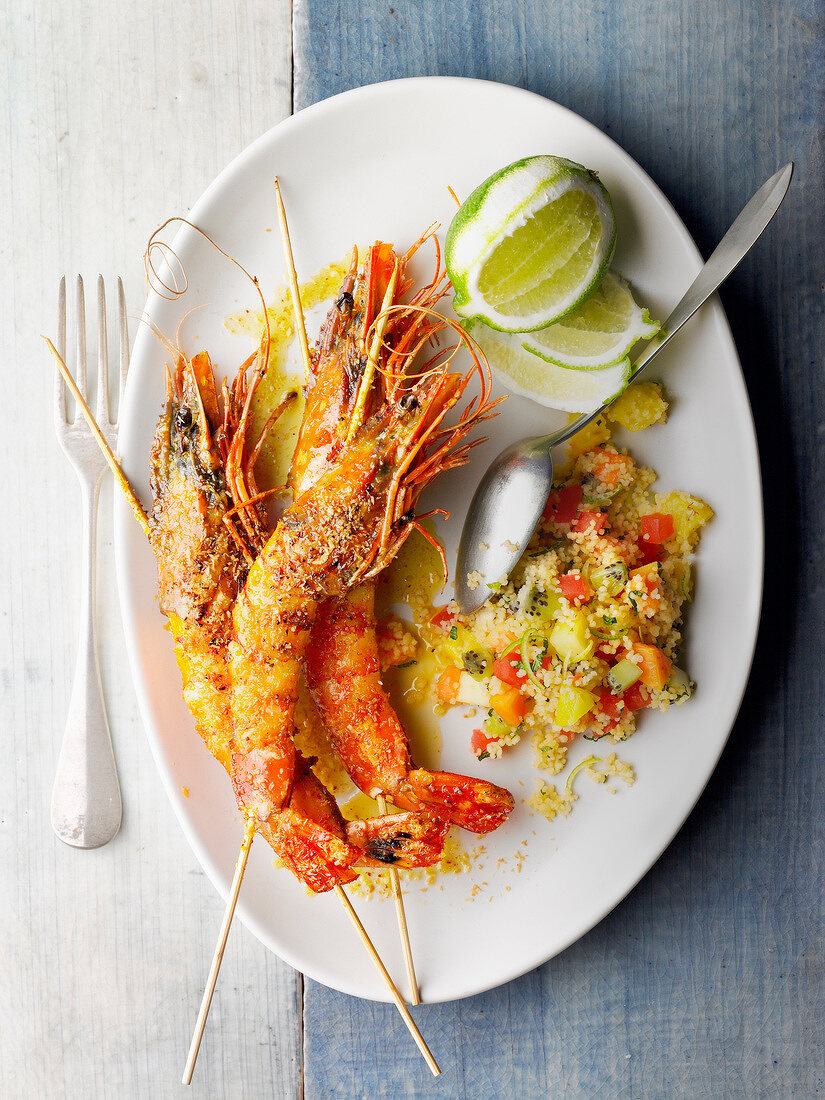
(375, 163)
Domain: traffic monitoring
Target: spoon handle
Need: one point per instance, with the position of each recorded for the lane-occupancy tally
(731, 250)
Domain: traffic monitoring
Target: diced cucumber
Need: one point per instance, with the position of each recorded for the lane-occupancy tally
(680, 683)
(622, 675)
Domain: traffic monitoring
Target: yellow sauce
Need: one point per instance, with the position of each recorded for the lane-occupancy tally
(285, 371)
(415, 577)
(408, 692)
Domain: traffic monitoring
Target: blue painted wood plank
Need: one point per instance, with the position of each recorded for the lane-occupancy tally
(709, 980)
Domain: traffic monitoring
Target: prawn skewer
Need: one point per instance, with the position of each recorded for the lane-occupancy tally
(392, 872)
(341, 664)
(200, 657)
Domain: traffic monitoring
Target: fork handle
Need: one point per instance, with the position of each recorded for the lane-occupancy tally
(86, 804)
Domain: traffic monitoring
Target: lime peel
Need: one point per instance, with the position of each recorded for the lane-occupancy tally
(512, 201)
(573, 391)
(599, 332)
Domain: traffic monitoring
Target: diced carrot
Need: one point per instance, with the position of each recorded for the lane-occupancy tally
(506, 672)
(446, 686)
(655, 665)
(510, 705)
(657, 527)
(573, 586)
(590, 522)
(563, 504)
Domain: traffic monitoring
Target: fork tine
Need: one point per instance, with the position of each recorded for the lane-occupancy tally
(102, 355)
(59, 385)
(123, 327)
(80, 339)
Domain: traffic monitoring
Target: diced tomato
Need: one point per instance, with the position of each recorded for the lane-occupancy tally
(573, 586)
(595, 522)
(444, 618)
(479, 742)
(609, 703)
(606, 654)
(506, 671)
(510, 705)
(446, 686)
(657, 527)
(650, 551)
(636, 697)
(563, 504)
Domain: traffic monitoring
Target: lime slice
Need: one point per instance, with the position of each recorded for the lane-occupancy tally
(530, 243)
(599, 332)
(523, 372)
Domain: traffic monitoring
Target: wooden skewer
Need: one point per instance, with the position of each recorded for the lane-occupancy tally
(217, 958)
(396, 996)
(375, 350)
(249, 834)
(293, 284)
(395, 886)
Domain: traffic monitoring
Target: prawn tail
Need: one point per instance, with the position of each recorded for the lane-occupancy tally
(472, 804)
(308, 836)
(410, 839)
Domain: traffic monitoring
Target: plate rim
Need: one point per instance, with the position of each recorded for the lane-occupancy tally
(124, 520)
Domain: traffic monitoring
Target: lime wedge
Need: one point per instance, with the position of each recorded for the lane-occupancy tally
(530, 243)
(599, 332)
(523, 372)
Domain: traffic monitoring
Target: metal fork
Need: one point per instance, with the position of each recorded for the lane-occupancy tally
(86, 803)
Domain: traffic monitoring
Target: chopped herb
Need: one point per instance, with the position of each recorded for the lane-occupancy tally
(407, 664)
(484, 755)
(454, 633)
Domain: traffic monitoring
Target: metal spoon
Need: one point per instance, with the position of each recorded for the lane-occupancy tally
(508, 503)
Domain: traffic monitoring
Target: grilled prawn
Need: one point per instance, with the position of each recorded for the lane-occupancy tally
(341, 664)
(382, 438)
(202, 563)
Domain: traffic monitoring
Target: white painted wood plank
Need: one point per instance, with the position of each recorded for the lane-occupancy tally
(112, 117)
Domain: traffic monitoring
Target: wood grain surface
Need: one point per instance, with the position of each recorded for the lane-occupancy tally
(113, 117)
(709, 980)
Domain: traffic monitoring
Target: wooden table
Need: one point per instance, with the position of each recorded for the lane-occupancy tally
(708, 980)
